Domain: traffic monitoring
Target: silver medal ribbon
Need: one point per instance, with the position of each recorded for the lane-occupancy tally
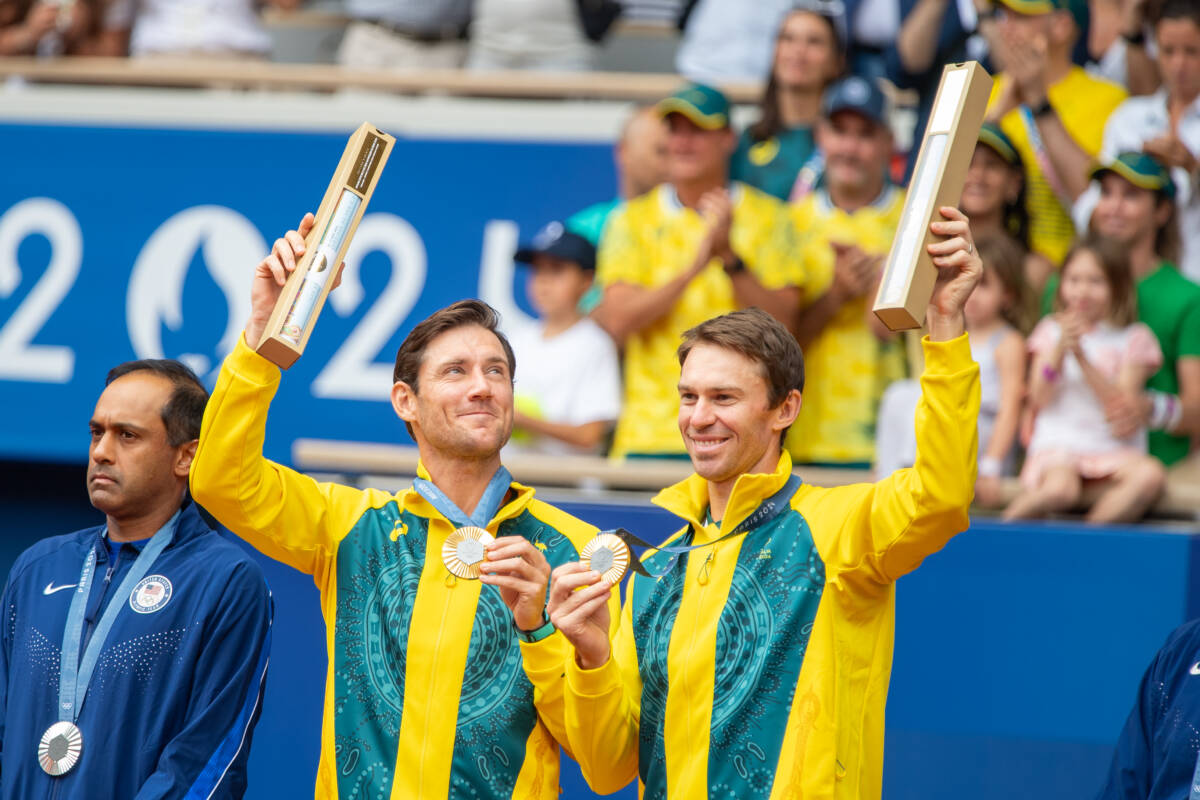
(62, 744)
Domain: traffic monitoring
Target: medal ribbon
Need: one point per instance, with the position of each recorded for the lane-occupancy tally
(487, 507)
(75, 675)
(1195, 792)
(766, 512)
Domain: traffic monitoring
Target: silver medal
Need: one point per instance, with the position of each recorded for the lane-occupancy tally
(60, 748)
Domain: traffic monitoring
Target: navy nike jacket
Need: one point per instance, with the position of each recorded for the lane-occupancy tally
(177, 688)
(1156, 754)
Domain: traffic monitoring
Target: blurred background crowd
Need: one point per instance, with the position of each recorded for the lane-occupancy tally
(1080, 192)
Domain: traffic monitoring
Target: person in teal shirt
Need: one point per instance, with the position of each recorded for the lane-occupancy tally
(777, 154)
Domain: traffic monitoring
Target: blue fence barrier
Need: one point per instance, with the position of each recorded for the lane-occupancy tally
(1018, 648)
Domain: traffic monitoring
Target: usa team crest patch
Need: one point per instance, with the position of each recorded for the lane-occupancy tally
(152, 593)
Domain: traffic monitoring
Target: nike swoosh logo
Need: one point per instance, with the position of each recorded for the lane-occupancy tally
(51, 588)
(1195, 670)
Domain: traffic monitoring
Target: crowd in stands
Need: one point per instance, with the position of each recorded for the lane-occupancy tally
(1080, 193)
(1086, 325)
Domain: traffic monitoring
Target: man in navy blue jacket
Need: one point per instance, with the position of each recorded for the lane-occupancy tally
(133, 655)
(1157, 756)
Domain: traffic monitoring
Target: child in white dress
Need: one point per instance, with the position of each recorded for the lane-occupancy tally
(1091, 349)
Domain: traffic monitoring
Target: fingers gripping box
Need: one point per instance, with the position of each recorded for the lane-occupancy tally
(341, 209)
(941, 170)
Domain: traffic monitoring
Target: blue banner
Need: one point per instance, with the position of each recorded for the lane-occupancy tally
(122, 243)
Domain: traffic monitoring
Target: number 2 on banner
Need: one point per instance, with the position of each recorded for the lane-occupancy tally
(352, 373)
(19, 358)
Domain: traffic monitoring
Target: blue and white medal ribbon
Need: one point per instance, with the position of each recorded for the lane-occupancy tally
(1195, 792)
(610, 551)
(62, 743)
(463, 550)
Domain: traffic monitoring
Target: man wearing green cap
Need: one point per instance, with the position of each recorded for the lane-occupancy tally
(694, 247)
(851, 219)
(1137, 207)
(1052, 110)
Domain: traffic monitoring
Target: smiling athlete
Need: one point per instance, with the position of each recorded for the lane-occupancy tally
(754, 660)
(444, 671)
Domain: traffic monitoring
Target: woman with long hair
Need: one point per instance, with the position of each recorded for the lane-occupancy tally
(776, 149)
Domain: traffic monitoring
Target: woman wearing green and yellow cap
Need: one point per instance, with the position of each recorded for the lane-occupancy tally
(994, 198)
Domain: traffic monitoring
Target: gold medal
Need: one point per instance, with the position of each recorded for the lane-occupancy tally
(607, 554)
(60, 748)
(463, 551)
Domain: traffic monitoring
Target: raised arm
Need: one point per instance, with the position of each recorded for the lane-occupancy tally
(288, 516)
(917, 44)
(889, 527)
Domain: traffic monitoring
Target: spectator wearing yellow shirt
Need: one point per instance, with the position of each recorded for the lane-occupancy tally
(852, 218)
(695, 247)
(1053, 111)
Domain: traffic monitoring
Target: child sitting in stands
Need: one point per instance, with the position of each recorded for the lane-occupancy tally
(1091, 349)
(568, 386)
(997, 316)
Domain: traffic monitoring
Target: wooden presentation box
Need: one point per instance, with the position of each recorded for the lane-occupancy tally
(946, 150)
(338, 216)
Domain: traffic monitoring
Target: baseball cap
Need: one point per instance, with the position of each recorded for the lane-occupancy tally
(991, 135)
(855, 94)
(703, 105)
(1143, 171)
(1078, 8)
(555, 240)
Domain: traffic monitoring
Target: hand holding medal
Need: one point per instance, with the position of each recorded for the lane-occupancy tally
(516, 567)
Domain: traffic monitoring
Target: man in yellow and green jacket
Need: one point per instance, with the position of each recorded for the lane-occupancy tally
(438, 686)
(754, 660)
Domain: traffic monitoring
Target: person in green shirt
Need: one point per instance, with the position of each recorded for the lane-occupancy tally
(777, 154)
(1137, 208)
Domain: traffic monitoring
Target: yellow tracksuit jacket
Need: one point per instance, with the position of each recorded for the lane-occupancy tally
(429, 692)
(759, 667)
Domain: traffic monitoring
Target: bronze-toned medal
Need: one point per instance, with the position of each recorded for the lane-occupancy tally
(607, 554)
(463, 551)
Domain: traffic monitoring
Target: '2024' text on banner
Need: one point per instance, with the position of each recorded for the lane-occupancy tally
(121, 243)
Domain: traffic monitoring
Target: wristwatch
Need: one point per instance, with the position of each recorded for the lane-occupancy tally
(1042, 109)
(735, 266)
(1137, 38)
(537, 634)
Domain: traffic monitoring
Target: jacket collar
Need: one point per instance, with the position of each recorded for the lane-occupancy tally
(688, 499)
(411, 500)
(191, 525)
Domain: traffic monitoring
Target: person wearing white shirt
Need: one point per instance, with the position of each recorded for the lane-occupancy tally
(405, 34)
(1165, 125)
(192, 28)
(568, 386)
(730, 40)
(528, 34)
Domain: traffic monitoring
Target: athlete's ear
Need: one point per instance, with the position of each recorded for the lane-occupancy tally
(404, 401)
(183, 457)
(787, 411)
